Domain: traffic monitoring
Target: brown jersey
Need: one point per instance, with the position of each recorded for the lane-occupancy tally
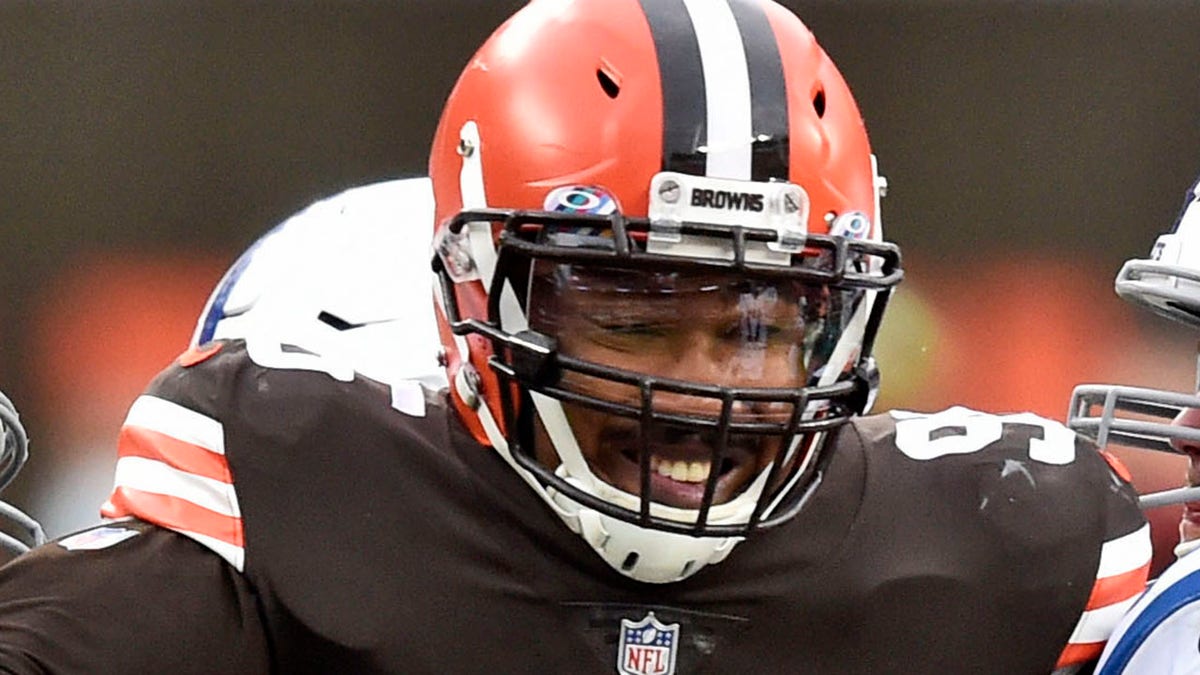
(275, 517)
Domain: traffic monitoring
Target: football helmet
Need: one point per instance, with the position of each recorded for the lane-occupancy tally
(21, 531)
(342, 280)
(1167, 283)
(613, 169)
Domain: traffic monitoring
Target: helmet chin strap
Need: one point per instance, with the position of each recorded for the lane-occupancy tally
(843, 354)
(650, 556)
(850, 341)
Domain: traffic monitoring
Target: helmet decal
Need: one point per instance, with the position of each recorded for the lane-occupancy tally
(581, 199)
(1189, 212)
(851, 225)
(216, 310)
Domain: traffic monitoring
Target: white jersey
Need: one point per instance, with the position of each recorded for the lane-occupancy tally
(1160, 635)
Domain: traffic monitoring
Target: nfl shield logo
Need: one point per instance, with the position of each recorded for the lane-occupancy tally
(647, 647)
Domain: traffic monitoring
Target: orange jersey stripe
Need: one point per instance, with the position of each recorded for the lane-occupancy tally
(1110, 597)
(173, 513)
(140, 442)
(1119, 587)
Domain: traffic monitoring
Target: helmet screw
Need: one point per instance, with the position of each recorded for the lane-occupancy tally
(468, 387)
(669, 191)
(791, 203)
(829, 217)
(465, 147)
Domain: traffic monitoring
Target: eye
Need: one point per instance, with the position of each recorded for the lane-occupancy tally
(633, 329)
(630, 336)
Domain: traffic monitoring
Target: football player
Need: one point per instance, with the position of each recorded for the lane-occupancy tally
(660, 271)
(1159, 633)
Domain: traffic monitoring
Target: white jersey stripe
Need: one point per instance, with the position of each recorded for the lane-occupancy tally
(1150, 635)
(149, 475)
(176, 421)
(1096, 625)
(726, 89)
(1125, 554)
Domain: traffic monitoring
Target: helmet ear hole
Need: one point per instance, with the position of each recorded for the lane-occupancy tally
(819, 102)
(607, 83)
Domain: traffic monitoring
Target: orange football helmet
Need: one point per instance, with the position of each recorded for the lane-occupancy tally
(645, 145)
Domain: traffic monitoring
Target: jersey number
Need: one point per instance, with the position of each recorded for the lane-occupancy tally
(960, 431)
(407, 396)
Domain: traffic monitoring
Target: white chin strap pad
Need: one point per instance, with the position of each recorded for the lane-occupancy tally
(650, 556)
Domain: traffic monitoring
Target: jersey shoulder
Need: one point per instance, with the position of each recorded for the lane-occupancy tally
(1026, 487)
(227, 413)
(1028, 467)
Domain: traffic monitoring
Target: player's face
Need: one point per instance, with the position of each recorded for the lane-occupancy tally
(712, 330)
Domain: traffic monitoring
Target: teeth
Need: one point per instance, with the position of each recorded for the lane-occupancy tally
(679, 471)
(682, 470)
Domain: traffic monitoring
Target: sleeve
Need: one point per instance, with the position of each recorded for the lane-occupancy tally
(172, 471)
(220, 417)
(1123, 568)
(128, 597)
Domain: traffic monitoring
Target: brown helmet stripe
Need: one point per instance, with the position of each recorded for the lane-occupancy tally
(682, 75)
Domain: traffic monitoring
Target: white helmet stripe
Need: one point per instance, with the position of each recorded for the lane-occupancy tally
(726, 89)
(724, 94)
(470, 185)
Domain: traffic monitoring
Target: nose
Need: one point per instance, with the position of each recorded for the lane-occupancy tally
(710, 407)
(706, 358)
(702, 367)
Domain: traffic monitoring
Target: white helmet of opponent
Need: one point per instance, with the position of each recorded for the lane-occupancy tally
(343, 278)
(1167, 283)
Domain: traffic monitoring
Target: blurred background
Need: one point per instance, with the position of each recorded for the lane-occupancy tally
(1031, 147)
